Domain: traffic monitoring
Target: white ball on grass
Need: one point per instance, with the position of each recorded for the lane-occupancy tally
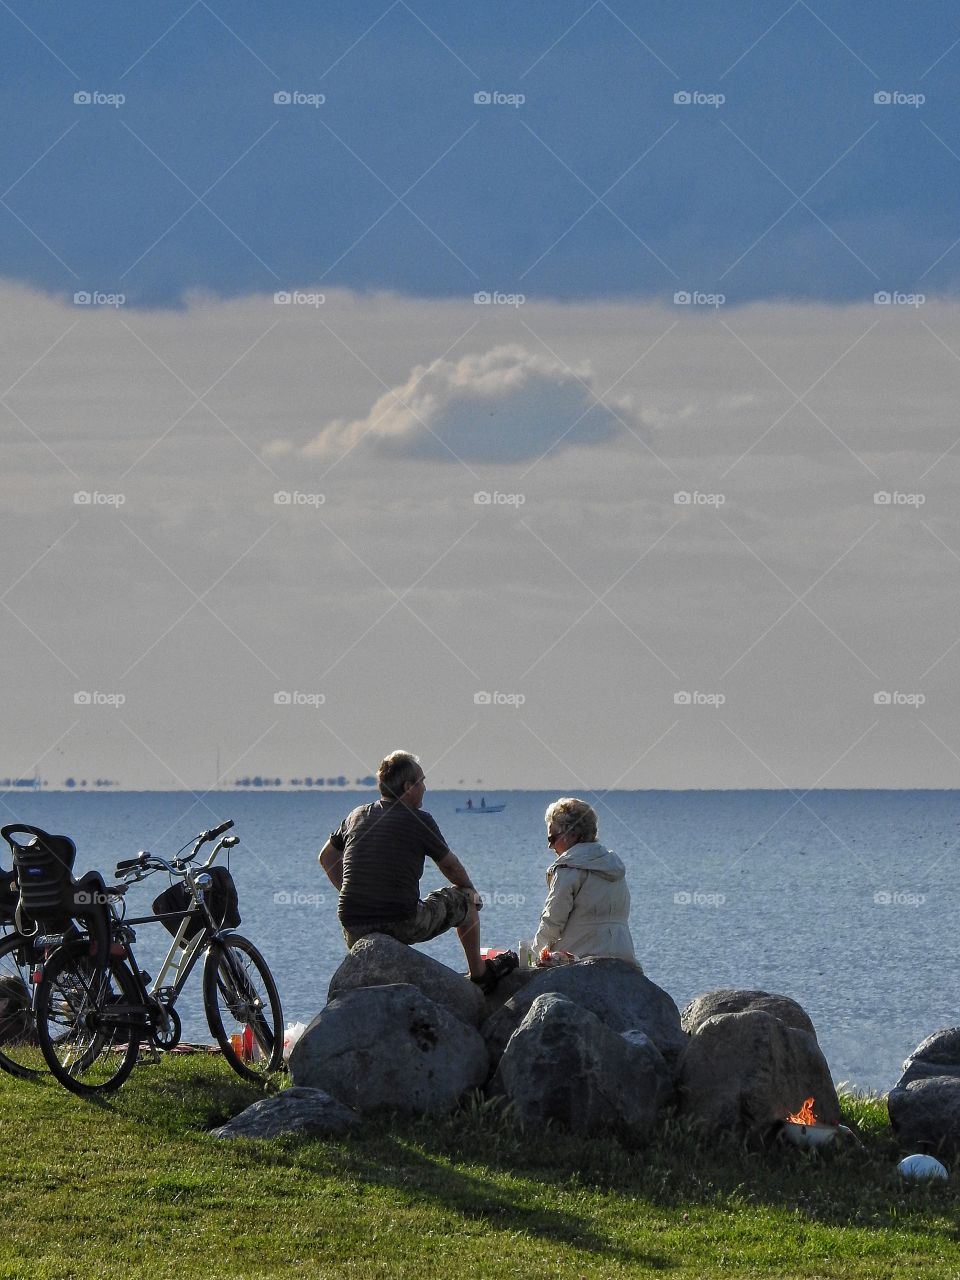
(921, 1167)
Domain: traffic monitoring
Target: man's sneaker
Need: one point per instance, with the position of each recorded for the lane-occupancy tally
(496, 969)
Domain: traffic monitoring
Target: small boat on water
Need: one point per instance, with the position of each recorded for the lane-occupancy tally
(482, 807)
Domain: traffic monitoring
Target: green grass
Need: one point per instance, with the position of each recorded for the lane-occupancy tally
(135, 1186)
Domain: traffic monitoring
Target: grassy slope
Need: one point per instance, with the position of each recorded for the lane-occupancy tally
(135, 1186)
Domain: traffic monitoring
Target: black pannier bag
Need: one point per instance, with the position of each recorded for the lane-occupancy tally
(221, 900)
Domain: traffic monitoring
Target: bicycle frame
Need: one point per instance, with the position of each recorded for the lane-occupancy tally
(183, 955)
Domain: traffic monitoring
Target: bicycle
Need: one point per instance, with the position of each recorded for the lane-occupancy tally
(19, 1045)
(93, 1007)
(20, 962)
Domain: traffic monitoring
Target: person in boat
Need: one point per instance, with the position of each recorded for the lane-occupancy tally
(587, 910)
(469, 804)
(375, 861)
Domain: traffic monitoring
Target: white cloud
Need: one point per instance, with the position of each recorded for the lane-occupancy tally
(508, 404)
(399, 561)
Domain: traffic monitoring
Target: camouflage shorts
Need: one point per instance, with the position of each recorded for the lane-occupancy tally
(439, 911)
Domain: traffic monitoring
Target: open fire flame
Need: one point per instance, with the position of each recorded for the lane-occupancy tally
(805, 1115)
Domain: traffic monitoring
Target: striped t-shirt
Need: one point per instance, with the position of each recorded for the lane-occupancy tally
(383, 846)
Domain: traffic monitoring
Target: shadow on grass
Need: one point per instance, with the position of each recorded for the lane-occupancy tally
(457, 1160)
(462, 1162)
(420, 1173)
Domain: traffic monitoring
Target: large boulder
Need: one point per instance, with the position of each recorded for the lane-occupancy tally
(938, 1055)
(390, 1047)
(378, 960)
(564, 1065)
(616, 992)
(305, 1112)
(743, 1073)
(733, 1000)
(924, 1104)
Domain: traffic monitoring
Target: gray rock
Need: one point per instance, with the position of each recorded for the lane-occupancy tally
(733, 1000)
(924, 1104)
(309, 1112)
(564, 1066)
(938, 1055)
(390, 1047)
(925, 1115)
(742, 1073)
(379, 960)
(616, 992)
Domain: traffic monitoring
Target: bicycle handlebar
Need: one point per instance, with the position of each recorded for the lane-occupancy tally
(216, 831)
(145, 863)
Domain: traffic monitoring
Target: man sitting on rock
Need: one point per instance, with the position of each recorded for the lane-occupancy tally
(375, 862)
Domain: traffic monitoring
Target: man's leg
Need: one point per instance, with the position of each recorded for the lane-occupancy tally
(469, 934)
(441, 910)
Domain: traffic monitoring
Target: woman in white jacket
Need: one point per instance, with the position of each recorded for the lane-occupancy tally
(587, 910)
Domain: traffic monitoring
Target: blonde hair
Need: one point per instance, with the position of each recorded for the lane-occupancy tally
(570, 816)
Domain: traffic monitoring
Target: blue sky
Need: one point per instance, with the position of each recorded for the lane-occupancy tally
(507, 197)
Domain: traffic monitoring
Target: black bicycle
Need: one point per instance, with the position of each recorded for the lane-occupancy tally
(20, 963)
(94, 1006)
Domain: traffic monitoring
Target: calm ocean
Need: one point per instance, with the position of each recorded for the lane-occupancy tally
(846, 900)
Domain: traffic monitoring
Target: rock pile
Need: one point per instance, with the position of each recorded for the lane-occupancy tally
(593, 1047)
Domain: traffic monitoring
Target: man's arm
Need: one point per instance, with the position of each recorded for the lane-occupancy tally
(331, 859)
(454, 870)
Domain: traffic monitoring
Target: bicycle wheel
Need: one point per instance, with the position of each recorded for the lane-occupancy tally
(19, 1046)
(240, 999)
(89, 1021)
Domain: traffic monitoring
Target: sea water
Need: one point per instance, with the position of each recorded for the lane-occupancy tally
(845, 900)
